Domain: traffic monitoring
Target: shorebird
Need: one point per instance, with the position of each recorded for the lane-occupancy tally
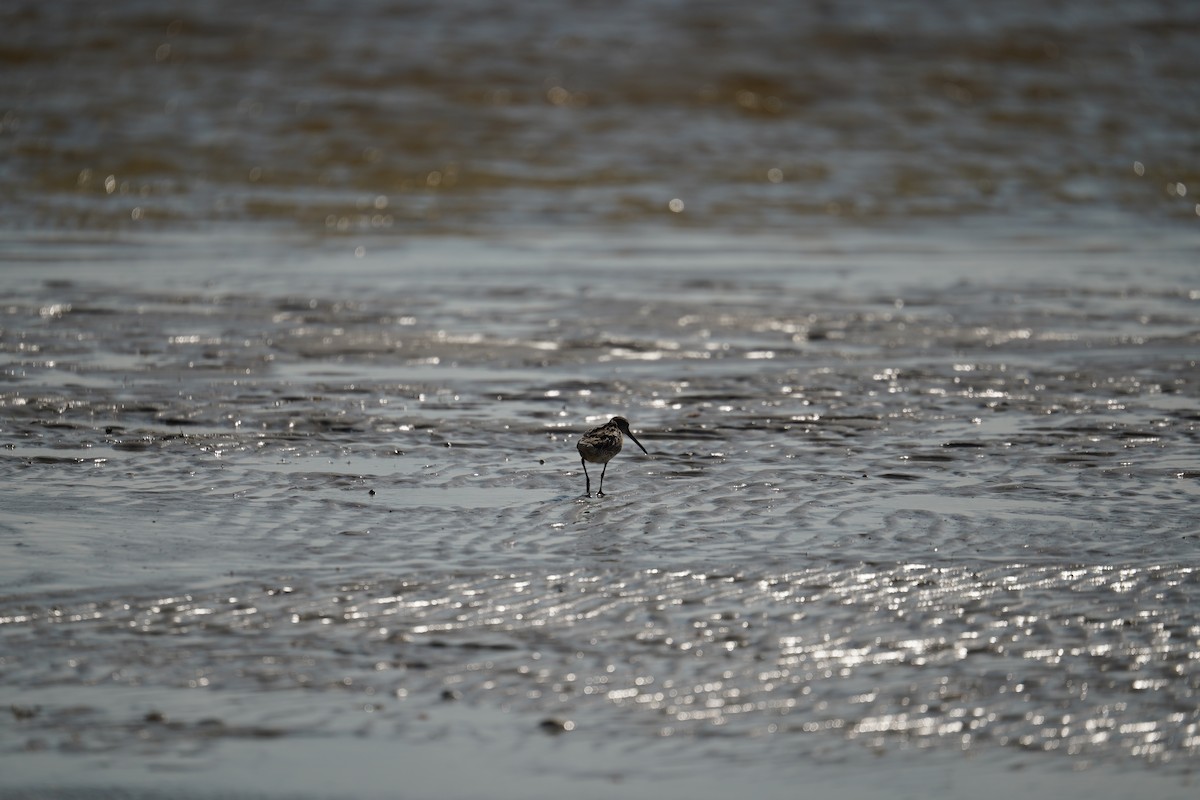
(600, 445)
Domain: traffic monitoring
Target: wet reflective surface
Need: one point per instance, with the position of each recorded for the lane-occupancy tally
(403, 118)
(950, 515)
(1085, 663)
(303, 310)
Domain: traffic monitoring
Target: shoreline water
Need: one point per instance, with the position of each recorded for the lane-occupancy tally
(313, 505)
(304, 307)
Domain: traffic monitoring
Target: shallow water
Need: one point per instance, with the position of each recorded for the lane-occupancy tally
(951, 515)
(291, 501)
(383, 119)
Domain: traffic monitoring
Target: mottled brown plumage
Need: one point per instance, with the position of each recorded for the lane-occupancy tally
(600, 445)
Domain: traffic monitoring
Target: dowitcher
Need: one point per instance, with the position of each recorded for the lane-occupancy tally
(600, 445)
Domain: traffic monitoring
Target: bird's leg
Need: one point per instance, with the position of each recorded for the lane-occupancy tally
(588, 491)
(600, 491)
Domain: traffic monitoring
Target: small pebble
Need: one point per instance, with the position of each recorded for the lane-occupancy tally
(554, 725)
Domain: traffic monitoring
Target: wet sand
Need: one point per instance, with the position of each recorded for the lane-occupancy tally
(942, 530)
(303, 307)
